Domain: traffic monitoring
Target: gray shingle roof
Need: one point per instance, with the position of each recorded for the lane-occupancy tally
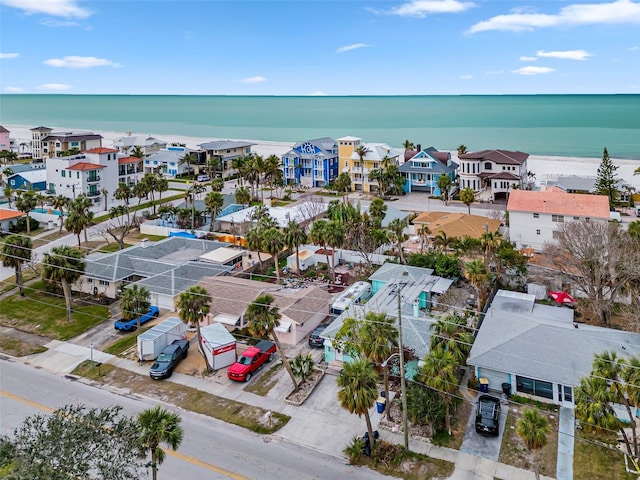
(176, 280)
(225, 144)
(392, 271)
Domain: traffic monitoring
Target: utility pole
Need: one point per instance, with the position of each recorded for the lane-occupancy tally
(403, 386)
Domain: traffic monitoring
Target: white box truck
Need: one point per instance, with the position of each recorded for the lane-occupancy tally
(219, 345)
(152, 342)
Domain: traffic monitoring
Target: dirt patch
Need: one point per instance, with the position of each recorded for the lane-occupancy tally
(298, 397)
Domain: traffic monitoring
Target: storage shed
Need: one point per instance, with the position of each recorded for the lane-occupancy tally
(219, 345)
(152, 342)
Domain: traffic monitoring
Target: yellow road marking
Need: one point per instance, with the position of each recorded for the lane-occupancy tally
(180, 456)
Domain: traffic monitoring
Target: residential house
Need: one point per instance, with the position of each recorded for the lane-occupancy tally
(168, 161)
(147, 144)
(302, 310)
(8, 171)
(8, 218)
(166, 268)
(586, 185)
(456, 224)
(130, 170)
(538, 351)
(35, 179)
(225, 151)
(374, 158)
(5, 141)
(493, 174)
(48, 144)
(312, 163)
(534, 216)
(423, 169)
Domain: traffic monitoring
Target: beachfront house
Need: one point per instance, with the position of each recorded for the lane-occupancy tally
(29, 180)
(46, 143)
(168, 161)
(493, 174)
(312, 163)
(5, 141)
(534, 216)
(219, 156)
(374, 155)
(538, 351)
(146, 143)
(423, 169)
(586, 185)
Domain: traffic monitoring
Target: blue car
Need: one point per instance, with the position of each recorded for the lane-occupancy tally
(130, 325)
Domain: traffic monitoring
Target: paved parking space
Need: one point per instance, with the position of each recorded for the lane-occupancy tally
(480, 446)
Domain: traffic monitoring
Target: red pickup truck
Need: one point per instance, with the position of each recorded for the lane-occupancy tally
(251, 360)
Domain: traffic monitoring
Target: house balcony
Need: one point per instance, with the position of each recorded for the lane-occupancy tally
(93, 193)
(93, 179)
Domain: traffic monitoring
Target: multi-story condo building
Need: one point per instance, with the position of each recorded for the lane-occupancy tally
(359, 167)
(45, 143)
(493, 173)
(312, 163)
(225, 151)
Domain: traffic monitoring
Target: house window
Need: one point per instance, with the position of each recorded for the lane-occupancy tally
(488, 166)
(576, 218)
(534, 387)
(587, 219)
(89, 280)
(536, 215)
(538, 231)
(557, 218)
(64, 173)
(104, 282)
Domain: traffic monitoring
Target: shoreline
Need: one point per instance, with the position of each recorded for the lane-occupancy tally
(545, 167)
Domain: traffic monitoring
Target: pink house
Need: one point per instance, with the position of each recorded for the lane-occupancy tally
(5, 143)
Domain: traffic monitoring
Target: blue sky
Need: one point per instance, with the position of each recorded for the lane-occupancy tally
(324, 47)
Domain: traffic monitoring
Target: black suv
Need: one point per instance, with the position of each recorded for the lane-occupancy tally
(488, 416)
(315, 340)
(168, 359)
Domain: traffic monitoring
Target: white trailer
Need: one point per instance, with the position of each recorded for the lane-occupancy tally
(219, 345)
(355, 294)
(152, 342)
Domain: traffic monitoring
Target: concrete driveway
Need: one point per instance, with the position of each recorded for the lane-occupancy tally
(480, 446)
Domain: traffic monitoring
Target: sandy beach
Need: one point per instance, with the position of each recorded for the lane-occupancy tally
(545, 167)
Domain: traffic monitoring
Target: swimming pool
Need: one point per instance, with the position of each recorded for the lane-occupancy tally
(49, 211)
(233, 208)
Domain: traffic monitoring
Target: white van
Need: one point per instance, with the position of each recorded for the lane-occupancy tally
(203, 178)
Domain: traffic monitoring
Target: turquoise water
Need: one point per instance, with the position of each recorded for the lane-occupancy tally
(234, 207)
(47, 210)
(568, 125)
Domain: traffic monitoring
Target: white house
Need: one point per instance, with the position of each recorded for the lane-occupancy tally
(147, 144)
(534, 216)
(45, 143)
(494, 173)
(168, 161)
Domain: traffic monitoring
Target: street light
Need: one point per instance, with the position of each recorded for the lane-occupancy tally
(385, 366)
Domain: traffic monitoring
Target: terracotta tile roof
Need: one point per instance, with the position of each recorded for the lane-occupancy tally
(84, 166)
(127, 160)
(502, 157)
(102, 150)
(556, 201)
(9, 214)
(457, 224)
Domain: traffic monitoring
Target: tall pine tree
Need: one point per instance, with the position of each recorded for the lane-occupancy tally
(607, 180)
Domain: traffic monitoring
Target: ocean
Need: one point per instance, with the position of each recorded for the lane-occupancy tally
(558, 125)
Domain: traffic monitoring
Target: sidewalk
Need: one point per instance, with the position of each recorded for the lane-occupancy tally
(311, 425)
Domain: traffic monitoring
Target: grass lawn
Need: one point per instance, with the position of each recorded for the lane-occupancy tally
(125, 342)
(265, 382)
(18, 348)
(230, 411)
(44, 313)
(596, 462)
(111, 247)
(54, 235)
(514, 452)
(9, 284)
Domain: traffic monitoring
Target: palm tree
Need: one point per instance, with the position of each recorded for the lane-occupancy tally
(193, 305)
(123, 193)
(377, 211)
(335, 236)
(243, 196)
(358, 390)
(162, 185)
(408, 145)
(444, 184)
(476, 272)
(270, 170)
(636, 171)
(59, 202)
(189, 160)
(80, 209)
(253, 241)
(491, 242)
(423, 232)
(64, 264)
(105, 195)
(262, 320)
(26, 202)
(159, 426)
(397, 227)
(450, 333)
(441, 241)
(439, 373)
(467, 196)
(238, 164)
(140, 190)
(318, 235)
(533, 428)
(462, 149)
(137, 152)
(16, 250)
(134, 302)
(294, 236)
(273, 243)
(342, 184)
(214, 202)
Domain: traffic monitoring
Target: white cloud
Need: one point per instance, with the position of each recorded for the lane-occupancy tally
(355, 46)
(465, 77)
(565, 55)
(528, 59)
(634, 48)
(256, 79)
(51, 22)
(318, 93)
(619, 11)
(13, 90)
(494, 72)
(56, 87)
(56, 8)
(422, 8)
(7, 56)
(531, 70)
(79, 62)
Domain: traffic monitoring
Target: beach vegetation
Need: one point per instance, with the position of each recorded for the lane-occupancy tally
(607, 181)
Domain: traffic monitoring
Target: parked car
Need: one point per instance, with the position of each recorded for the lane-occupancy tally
(251, 360)
(203, 178)
(315, 340)
(488, 416)
(169, 359)
(130, 325)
